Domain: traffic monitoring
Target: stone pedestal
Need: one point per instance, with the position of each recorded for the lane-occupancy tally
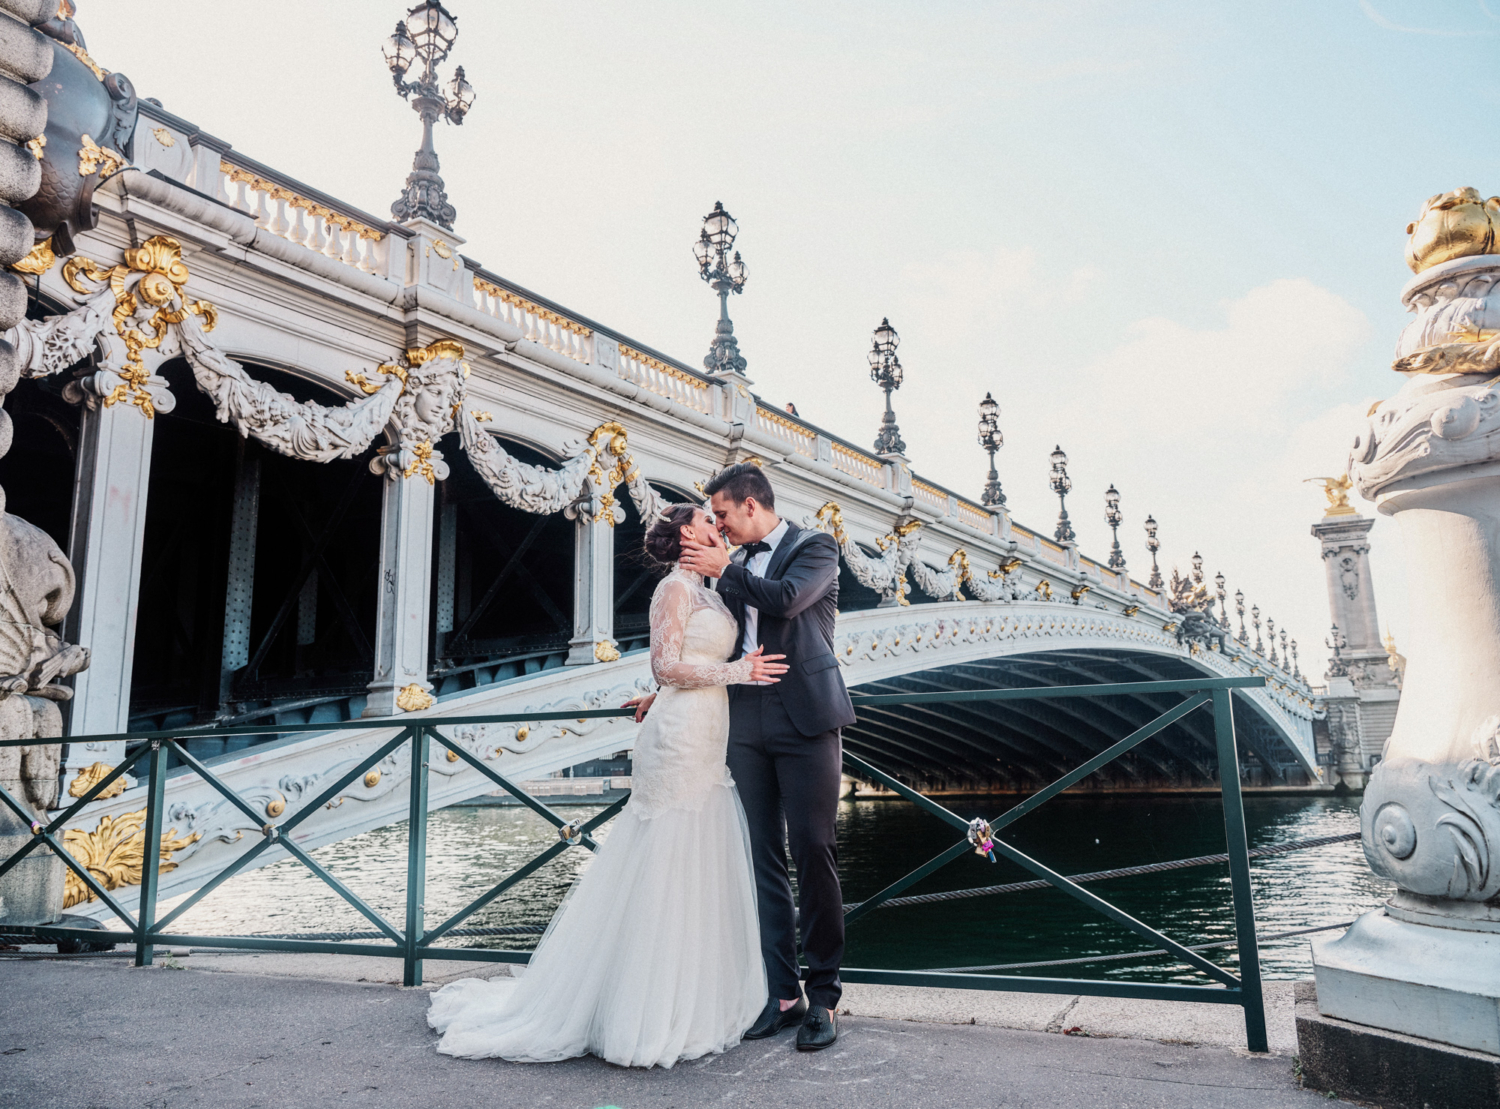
(1428, 964)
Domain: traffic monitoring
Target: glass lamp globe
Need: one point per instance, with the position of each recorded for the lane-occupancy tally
(433, 30)
(460, 95)
(886, 339)
(738, 272)
(399, 51)
(720, 227)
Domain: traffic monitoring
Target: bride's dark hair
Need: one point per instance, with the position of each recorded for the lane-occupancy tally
(664, 538)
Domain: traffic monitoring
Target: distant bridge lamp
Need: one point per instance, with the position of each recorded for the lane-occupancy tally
(423, 39)
(1220, 595)
(990, 441)
(886, 372)
(1062, 485)
(1260, 648)
(725, 275)
(1271, 635)
(1112, 517)
(1153, 544)
(1239, 607)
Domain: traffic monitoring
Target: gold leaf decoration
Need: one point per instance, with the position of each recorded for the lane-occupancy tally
(605, 651)
(113, 852)
(93, 158)
(38, 261)
(90, 776)
(35, 146)
(413, 698)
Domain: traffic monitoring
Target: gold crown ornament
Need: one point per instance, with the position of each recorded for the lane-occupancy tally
(1452, 225)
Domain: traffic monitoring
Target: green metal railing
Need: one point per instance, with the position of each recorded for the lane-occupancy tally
(414, 942)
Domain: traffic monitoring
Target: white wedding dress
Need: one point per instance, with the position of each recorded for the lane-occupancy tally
(654, 955)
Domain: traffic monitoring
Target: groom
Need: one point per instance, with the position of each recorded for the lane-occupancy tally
(785, 750)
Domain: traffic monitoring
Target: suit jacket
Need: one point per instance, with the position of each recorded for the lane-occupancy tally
(798, 602)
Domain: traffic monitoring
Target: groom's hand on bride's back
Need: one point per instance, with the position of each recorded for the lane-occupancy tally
(642, 706)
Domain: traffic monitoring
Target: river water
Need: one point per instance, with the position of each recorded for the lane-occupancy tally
(470, 849)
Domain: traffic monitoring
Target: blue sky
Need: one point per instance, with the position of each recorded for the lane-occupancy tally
(1167, 236)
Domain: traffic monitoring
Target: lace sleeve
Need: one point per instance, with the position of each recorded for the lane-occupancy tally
(670, 609)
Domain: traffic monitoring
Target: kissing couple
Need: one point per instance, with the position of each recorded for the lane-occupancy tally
(680, 938)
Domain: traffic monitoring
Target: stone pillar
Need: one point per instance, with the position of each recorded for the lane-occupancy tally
(593, 592)
(405, 587)
(1345, 539)
(1427, 963)
(109, 524)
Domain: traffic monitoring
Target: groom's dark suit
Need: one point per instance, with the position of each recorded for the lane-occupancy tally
(786, 756)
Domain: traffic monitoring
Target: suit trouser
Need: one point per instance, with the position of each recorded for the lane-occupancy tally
(789, 785)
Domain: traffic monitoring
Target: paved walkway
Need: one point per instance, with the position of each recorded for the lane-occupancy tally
(98, 1034)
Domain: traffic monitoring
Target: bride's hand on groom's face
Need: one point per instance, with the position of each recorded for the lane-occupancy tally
(703, 558)
(764, 667)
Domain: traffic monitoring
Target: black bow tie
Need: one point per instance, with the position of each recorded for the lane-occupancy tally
(753, 549)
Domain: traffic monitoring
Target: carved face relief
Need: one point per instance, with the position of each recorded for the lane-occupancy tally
(1349, 576)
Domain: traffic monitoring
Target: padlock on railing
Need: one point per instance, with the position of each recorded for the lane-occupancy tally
(981, 837)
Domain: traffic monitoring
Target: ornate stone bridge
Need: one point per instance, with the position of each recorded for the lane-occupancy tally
(311, 465)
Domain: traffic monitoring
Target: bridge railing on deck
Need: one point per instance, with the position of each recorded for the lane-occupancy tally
(413, 941)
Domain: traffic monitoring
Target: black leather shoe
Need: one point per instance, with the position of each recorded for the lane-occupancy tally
(772, 1020)
(819, 1030)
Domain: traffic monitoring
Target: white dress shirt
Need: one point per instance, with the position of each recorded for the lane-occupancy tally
(756, 564)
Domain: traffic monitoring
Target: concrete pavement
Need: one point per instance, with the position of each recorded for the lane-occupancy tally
(98, 1034)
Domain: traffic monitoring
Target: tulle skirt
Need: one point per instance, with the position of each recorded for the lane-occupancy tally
(653, 957)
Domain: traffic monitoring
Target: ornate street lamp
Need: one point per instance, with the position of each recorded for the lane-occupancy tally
(1271, 635)
(424, 39)
(885, 371)
(1239, 607)
(1296, 666)
(1112, 517)
(1255, 622)
(1219, 593)
(1197, 568)
(1153, 545)
(1286, 659)
(724, 275)
(991, 440)
(1337, 667)
(1061, 485)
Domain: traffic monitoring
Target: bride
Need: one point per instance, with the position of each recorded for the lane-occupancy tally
(654, 955)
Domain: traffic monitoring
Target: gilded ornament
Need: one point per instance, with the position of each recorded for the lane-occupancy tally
(1336, 489)
(362, 383)
(38, 261)
(480, 417)
(523, 731)
(35, 146)
(113, 852)
(82, 55)
(275, 807)
(1451, 225)
(605, 651)
(372, 779)
(452, 755)
(164, 136)
(93, 158)
(90, 776)
(421, 464)
(1131, 610)
(1044, 587)
(829, 514)
(1079, 590)
(442, 249)
(163, 274)
(413, 698)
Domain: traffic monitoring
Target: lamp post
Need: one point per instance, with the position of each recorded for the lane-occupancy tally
(1112, 517)
(1153, 545)
(724, 275)
(1197, 568)
(1296, 666)
(1061, 485)
(1271, 635)
(1239, 607)
(1219, 593)
(1286, 659)
(990, 441)
(885, 371)
(1255, 622)
(424, 38)
(1337, 667)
